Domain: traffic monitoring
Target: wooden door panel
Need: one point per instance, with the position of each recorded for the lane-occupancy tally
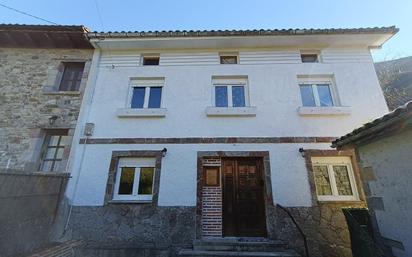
(229, 216)
(243, 201)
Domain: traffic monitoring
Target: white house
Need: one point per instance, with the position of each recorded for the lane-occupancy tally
(188, 135)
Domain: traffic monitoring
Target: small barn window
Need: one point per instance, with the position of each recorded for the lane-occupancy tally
(228, 59)
(151, 60)
(309, 58)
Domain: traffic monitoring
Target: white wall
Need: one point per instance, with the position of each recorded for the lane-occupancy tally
(179, 172)
(273, 89)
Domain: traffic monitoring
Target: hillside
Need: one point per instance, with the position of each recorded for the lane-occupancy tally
(395, 77)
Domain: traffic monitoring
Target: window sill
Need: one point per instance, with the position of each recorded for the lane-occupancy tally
(70, 93)
(129, 201)
(136, 113)
(231, 111)
(323, 111)
(338, 200)
(355, 202)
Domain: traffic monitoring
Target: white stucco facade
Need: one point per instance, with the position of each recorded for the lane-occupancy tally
(272, 77)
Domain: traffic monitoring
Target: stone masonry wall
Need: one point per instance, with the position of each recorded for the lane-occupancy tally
(142, 229)
(324, 226)
(28, 98)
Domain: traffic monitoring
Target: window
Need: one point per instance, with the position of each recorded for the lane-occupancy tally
(228, 58)
(151, 60)
(146, 94)
(334, 179)
(134, 179)
(317, 93)
(53, 149)
(230, 93)
(309, 58)
(72, 76)
(211, 176)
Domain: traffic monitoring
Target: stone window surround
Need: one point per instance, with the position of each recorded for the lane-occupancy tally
(116, 155)
(269, 206)
(52, 84)
(309, 153)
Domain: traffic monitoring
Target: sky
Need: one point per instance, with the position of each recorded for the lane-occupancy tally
(128, 15)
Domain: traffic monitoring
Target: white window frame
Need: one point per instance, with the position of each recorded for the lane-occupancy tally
(136, 163)
(147, 84)
(314, 81)
(330, 162)
(229, 83)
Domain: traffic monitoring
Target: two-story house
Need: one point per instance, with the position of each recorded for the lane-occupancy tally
(192, 135)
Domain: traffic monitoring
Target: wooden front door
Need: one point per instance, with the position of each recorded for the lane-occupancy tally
(243, 198)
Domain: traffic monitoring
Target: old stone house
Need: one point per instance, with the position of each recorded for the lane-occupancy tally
(43, 73)
(383, 147)
(194, 141)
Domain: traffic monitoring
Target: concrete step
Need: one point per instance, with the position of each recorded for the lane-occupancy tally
(236, 244)
(201, 253)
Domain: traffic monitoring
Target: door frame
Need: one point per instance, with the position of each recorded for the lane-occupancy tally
(270, 210)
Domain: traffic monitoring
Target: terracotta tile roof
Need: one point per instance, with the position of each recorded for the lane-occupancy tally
(376, 127)
(228, 33)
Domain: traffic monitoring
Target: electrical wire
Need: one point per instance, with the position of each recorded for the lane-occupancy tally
(28, 14)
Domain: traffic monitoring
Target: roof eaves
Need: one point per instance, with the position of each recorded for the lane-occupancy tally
(398, 115)
(229, 33)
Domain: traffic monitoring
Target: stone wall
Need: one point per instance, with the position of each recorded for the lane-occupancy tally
(324, 226)
(28, 98)
(142, 229)
(29, 208)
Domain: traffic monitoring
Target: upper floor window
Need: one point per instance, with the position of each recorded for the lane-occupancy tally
(317, 92)
(151, 60)
(146, 93)
(72, 76)
(228, 58)
(230, 92)
(309, 56)
(134, 179)
(53, 149)
(334, 179)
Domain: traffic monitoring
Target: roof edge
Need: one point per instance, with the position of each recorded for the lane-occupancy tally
(376, 126)
(231, 33)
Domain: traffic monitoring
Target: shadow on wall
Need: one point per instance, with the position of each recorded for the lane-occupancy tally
(29, 204)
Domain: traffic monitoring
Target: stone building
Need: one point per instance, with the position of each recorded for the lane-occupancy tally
(200, 138)
(43, 73)
(384, 150)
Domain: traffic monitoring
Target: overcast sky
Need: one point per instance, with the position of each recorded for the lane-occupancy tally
(128, 15)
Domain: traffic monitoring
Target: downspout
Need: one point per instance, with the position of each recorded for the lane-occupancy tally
(87, 103)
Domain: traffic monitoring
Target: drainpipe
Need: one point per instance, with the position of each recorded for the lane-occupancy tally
(82, 120)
